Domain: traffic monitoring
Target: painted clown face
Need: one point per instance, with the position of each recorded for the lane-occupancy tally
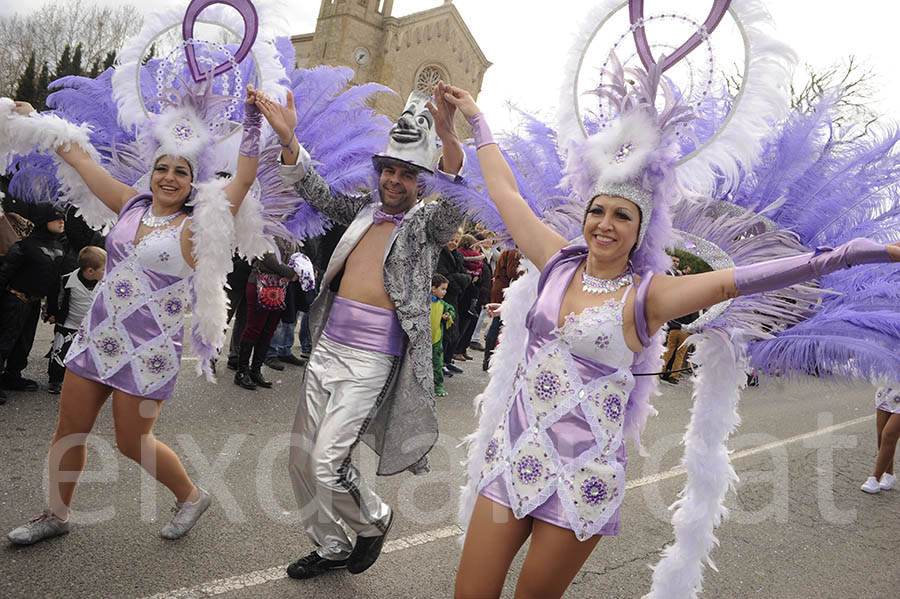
(413, 138)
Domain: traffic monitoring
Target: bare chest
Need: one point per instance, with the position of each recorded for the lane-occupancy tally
(363, 278)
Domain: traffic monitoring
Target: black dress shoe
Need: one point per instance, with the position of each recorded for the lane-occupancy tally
(274, 363)
(259, 379)
(453, 368)
(19, 383)
(313, 565)
(292, 359)
(242, 378)
(367, 550)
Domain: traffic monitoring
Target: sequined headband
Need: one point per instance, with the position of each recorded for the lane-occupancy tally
(632, 192)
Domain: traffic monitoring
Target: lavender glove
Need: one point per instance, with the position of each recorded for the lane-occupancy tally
(252, 128)
(784, 272)
(482, 132)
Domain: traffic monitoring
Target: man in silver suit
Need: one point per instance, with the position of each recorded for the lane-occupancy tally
(369, 376)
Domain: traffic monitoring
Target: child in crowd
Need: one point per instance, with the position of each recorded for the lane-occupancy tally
(67, 306)
(442, 316)
(474, 260)
(29, 270)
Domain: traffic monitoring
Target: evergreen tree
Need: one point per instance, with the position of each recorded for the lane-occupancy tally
(65, 63)
(150, 55)
(42, 85)
(95, 70)
(110, 60)
(26, 91)
(75, 67)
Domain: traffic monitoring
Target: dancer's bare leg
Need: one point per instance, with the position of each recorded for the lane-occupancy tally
(881, 418)
(492, 541)
(554, 558)
(134, 417)
(79, 404)
(888, 436)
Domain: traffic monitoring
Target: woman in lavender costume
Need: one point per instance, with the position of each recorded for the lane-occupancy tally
(887, 433)
(553, 468)
(129, 345)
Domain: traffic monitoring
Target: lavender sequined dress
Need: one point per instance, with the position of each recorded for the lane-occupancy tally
(887, 399)
(131, 338)
(559, 454)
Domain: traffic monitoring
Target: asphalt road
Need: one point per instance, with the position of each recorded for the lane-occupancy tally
(799, 526)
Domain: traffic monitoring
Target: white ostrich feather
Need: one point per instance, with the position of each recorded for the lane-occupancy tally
(250, 238)
(212, 231)
(20, 135)
(700, 507)
(619, 153)
(569, 128)
(180, 132)
(491, 405)
(764, 102)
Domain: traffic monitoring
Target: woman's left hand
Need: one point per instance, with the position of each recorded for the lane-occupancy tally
(894, 251)
(493, 310)
(24, 108)
(443, 112)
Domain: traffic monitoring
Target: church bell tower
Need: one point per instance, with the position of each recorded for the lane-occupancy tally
(351, 32)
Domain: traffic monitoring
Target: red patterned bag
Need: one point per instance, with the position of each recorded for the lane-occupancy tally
(270, 291)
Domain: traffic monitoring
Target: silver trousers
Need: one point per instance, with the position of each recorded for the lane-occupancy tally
(342, 390)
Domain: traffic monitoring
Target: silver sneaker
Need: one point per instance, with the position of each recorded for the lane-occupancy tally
(43, 526)
(186, 515)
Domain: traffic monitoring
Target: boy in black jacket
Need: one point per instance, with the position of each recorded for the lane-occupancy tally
(29, 270)
(67, 305)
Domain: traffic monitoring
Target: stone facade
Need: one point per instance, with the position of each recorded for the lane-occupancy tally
(403, 53)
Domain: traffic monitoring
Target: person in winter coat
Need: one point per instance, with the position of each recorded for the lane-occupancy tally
(28, 272)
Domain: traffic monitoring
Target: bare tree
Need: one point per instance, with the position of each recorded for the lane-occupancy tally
(47, 31)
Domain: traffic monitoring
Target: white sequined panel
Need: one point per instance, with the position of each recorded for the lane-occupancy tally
(169, 305)
(160, 250)
(495, 455)
(887, 399)
(126, 289)
(551, 384)
(591, 489)
(603, 403)
(532, 472)
(155, 364)
(596, 334)
(110, 346)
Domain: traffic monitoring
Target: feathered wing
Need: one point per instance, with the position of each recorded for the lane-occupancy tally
(341, 132)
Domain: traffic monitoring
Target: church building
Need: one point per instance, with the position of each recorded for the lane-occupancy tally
(404, 53)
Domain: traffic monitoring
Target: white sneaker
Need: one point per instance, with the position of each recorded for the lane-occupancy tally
(871, 485)
(887, 481)
(186, 515)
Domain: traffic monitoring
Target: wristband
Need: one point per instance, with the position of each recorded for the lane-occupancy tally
(252, 130)
(481, 131)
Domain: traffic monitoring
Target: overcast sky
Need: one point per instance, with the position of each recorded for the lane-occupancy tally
(527, 40)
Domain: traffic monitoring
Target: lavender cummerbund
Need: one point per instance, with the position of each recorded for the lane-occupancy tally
(365, 327)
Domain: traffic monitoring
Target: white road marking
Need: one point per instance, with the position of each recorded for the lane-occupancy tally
(243, 581)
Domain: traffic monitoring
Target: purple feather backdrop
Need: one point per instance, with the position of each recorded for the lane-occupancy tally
(824, 186)
(335, 124)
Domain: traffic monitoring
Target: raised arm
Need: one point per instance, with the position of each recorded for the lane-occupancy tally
(112, 193)
(248, 156)
(537, 241)
(673, 297)
(296, 166)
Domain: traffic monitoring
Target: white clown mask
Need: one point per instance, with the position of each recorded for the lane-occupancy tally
(412, 140)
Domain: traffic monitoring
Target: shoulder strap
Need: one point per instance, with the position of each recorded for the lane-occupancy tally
(578, 251)
(640, 309)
